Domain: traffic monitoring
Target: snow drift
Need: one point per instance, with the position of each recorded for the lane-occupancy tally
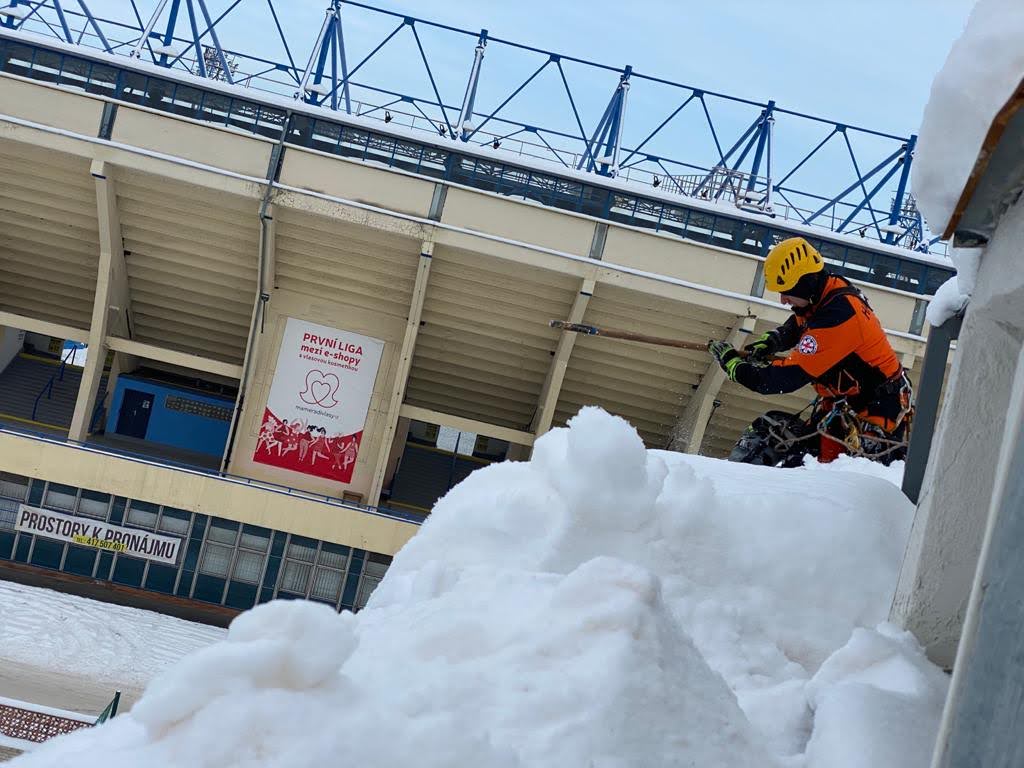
(981, 73)
(600, 605)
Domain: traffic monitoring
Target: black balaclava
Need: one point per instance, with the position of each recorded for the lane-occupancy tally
(808, 287)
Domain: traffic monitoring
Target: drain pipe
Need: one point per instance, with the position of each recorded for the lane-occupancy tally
(259, 308)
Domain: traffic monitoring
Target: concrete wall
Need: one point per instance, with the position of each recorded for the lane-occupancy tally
(518, 220)
(11, 341)
(221, 148)
(936, 579)
(283, 305)
(50, 106)
(354, 180)
(201, 493)
(668, 255)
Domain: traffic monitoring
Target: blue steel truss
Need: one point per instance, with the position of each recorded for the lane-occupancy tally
(854, 180)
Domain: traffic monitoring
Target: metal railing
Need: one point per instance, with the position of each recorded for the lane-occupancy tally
(48, 386)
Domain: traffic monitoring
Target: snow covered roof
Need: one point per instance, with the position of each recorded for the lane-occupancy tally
(969, 166)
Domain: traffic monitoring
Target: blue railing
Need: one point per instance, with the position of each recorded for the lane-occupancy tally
(140, 458)
(735, 232)
(48, 386)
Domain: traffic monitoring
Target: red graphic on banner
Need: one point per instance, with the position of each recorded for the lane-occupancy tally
(307, 448)
(319, 397)
(321, 389)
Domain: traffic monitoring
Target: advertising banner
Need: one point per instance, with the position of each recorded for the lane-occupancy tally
(94, 533)
(319, 397)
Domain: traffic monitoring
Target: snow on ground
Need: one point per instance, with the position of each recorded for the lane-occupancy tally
(983, 69)
(75, 635)
(600, 605)
(858, 464)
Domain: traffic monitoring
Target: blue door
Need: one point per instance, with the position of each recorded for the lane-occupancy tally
(136, 408)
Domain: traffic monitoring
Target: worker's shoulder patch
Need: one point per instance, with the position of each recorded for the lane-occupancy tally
(808, 345)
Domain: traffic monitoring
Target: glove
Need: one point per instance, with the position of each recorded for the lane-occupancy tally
(726, 356)
(763, 347)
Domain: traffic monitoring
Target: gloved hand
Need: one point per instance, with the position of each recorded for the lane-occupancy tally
(726, 355)
(763, 347)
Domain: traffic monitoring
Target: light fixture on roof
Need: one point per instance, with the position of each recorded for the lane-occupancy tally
(387, 116)
(656, 182)
(496, 143)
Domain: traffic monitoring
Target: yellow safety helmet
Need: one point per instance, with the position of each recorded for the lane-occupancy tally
(788, 261)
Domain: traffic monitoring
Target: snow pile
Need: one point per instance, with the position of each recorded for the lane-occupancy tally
(599, 605)
(877, 701)
(953, 295)
(981, 73)
(892, 473)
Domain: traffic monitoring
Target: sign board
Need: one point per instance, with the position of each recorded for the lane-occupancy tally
(319, 397)
(94, 533)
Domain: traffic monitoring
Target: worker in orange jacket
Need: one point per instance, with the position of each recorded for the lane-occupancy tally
(839, 347)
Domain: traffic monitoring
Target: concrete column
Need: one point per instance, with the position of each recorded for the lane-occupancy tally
(981, 722)
(938, 568)
(412, 328)
(549, 392)
(111, 288)
(688, 433)
(121, 363)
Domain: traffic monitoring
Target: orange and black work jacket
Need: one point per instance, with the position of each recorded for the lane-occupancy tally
(839, 347)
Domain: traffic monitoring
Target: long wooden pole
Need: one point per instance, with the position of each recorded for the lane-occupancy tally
(611, 333)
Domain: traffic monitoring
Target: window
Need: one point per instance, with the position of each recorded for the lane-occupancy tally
(93, 504)
(300, 555)
(215, 108)
(17, 59)
(216, 560)
(142, 514)
(223, 532)
(329, 575)
(253, 546)
(374, 570)
(102, 80)
(187, 100)
(8, 514)
(46, 66)
(13, 486)
(295, 577)
(327, 585)
(301, 549)
(257, 539)
(60, 497)
(175, 521)
(248, 567)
